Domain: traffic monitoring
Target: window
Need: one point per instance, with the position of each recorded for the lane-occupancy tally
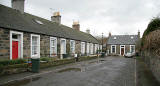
(95, 48)
(114, 38)
(113, 48)
(82, 47)
(132, 48)
(53, 46)
(132, 37)
(91, 48)
(72, 46)
(35, 46)
(63, 46)
(101, 48)
(88, 48)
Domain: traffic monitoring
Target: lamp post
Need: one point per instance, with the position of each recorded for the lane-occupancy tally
(102, 41)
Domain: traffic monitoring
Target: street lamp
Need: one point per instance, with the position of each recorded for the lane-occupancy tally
(102, 41)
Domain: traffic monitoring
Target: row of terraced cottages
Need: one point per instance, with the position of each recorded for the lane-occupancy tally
(23, 35)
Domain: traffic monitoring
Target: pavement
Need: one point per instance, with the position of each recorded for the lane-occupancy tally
(109, 71)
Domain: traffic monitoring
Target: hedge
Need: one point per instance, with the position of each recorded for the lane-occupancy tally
(11, 62)
(19, 65)
(152, 26)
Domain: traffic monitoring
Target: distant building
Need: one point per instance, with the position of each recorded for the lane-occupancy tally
(121, 44)
(23, 35)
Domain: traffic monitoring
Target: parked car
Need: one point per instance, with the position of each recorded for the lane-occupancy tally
(129, 55)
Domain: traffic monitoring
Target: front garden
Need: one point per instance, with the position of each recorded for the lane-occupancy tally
(8, 67)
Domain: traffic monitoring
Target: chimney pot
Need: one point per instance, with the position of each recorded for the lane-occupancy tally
(76, 25)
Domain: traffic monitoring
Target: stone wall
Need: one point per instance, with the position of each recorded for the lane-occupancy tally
(127, 48)
(26, 45)
(68, 48)
(118, 49)
(153, 62)
(77, 47)
(45, 46)
(4, 44)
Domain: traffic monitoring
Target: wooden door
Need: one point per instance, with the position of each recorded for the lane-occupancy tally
(14, 50)
(122, 51)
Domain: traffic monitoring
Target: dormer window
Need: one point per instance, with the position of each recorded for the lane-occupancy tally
(115, 38)
(132, 37)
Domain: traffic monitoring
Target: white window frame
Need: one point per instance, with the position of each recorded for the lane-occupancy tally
(83, 47)
(124, 49)
(51, 46)
(101, 47)
(115, 49)
(95, 48)
(62, 39)
(38, 54)
(134, 48)
(91, 48)
(72, 41)
(21, 43)
(88, 46)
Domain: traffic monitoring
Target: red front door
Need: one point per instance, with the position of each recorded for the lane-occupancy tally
(14, 49)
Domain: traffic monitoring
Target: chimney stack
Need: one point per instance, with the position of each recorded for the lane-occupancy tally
(88, 31)
(18, 5)
(76, 26)
(109, 34)
(56, 17)
(138, 34)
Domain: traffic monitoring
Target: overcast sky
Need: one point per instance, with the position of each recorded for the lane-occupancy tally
(115, 16)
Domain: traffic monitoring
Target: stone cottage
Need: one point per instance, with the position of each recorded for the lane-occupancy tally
(121, 44)
(23, 35)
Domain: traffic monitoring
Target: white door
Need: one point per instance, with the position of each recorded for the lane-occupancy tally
(63, 47)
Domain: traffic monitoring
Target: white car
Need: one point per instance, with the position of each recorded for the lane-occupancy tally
(129, 55)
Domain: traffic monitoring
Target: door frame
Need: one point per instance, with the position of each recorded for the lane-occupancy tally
(62, 39)
(122, 47)
(20, 40)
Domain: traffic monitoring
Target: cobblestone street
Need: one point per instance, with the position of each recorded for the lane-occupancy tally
(110, 71)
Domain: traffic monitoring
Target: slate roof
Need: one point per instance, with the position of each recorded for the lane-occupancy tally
(13, 19)
(122, 39)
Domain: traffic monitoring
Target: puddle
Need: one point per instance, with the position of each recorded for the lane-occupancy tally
(92, 62)
(35, 78)
(102, 60)
(69, 69)
(21, 82)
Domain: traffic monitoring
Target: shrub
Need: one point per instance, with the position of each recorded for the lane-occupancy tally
(11, 62)
(152, 26)
(45, 59)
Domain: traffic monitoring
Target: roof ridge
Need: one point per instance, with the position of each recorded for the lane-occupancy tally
(25, 23)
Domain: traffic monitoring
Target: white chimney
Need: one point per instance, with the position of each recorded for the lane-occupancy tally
(18, 5)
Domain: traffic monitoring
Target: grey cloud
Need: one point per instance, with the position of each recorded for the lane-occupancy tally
(117, 16)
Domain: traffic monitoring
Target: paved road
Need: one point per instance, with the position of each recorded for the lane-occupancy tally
(110, 71)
